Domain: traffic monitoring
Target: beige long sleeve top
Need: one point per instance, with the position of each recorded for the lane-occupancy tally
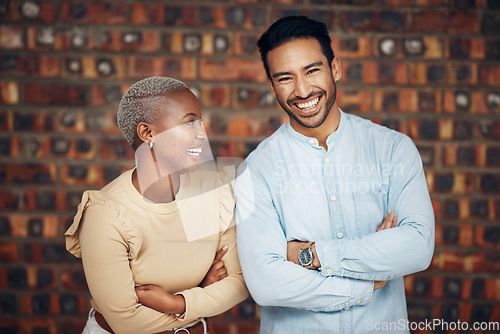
(125, 241)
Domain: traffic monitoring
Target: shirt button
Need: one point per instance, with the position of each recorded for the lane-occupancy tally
(358, 301)
(340, 235)
(333, 198)
(346, 308)
(311, 141)
(328, 271)
(327, 160)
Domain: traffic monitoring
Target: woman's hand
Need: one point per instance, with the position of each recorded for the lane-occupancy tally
(390, 221)
(217, 271)
(156, 298)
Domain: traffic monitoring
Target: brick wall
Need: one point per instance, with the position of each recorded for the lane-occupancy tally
(428, 68)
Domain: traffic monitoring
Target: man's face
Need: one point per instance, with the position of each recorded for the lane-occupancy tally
(303, 82)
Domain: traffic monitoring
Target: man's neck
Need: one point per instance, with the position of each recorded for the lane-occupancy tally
(322, 132)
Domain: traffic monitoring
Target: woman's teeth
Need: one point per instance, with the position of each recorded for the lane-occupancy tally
(308, 105)
(195, 151)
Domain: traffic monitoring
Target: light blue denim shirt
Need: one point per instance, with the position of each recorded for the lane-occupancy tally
(290, 188)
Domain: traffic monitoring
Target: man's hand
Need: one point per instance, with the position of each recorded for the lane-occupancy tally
(156, 298)
(390, 221)
(293, 249)
(217, 271)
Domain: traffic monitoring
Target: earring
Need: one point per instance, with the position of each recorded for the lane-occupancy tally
(151, 142)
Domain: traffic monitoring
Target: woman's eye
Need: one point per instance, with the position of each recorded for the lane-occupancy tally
(190, 123)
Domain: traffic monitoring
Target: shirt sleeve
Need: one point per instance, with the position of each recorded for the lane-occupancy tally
(395, 252)
(105, 256)
(262, 249)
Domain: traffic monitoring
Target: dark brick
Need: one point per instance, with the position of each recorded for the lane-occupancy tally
(466, 156)
(419, 311)
(490, 24)
(68, 120)
(23, 122)
(428, 129)
(78, 172)
(83, 145)
(462, 73)
(451, 234)
(68, 304)
(427, 153)
(479, 208)
(56, 95)
(477, 288)
(53, 252)
(17, 277)
(72, 200)
(453, 287)
(493, 4)
(5, 146)
(259, 17)
(45, 278)
(349, 44)
(421, 286)
(493, 156)
(8, 303)
(450, 312)
(492, 49)
(436, 73)
(451, 209)
(172, 15)
(444, 182)
(35, 227)
(5, 228)
(77, 10)
(41, 304)
(391, 101)
(247, 309)
(355, 72)
(111, 173)
(40, 330)
(464, 4)
(218, 124)
(59, 146)
(45, 201)
(480, 313)
(391, 123)
(235, 16)
(459, 49)
(206, 16)
(462, 130)
(492, 234)
(426, 101)
(392, 21)
(489, 183)
(112, 94)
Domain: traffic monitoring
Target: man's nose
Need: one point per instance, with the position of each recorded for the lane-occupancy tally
(303, 88)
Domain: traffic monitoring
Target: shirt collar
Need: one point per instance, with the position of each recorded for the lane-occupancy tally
(313, 141)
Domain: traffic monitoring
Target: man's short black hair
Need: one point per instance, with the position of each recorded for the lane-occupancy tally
(291, 28)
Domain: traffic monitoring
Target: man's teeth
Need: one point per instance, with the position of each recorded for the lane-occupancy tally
(308, 105)
(194, 151)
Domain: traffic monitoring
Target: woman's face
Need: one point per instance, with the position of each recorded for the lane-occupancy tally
(180, 140)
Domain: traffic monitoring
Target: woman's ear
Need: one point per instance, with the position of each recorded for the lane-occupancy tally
(144, 132)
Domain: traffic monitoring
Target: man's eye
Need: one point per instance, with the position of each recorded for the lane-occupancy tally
(284, 79)
(312, 70)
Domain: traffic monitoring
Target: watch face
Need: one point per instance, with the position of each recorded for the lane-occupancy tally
(305, 257)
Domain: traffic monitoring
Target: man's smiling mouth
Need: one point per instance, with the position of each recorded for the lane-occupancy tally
(308, 105)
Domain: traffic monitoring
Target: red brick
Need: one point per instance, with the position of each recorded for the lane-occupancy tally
(73, 280)
(489, 75)
(445, 22)
(180, 68)
(9, 252)
(11, 37)
(245, 44)
(92, 177)
(232, 70)
(116, 149)
(16, 173)
(9, 92)
(146, 14)
(421, 3)
(113, 41)
(462, 74)
(215, 96)
(464, 236)
(8, 200)
(54, 94)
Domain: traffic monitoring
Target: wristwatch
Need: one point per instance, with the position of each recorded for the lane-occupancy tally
(306, 256)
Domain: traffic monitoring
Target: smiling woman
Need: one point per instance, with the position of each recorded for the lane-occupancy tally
(158, 243)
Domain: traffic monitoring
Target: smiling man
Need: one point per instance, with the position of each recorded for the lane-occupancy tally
(332, 209)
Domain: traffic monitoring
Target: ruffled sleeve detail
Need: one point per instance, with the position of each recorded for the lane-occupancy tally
(99, 200)
(227, 176)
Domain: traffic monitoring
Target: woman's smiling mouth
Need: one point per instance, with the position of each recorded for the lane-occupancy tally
(195, 152)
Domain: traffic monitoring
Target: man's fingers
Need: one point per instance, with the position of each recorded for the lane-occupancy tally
(220, 254)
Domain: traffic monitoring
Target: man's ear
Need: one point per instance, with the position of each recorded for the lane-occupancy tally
(336, 69)
(271, 87)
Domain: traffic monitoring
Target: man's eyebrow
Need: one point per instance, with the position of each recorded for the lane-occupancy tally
(317, 63)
